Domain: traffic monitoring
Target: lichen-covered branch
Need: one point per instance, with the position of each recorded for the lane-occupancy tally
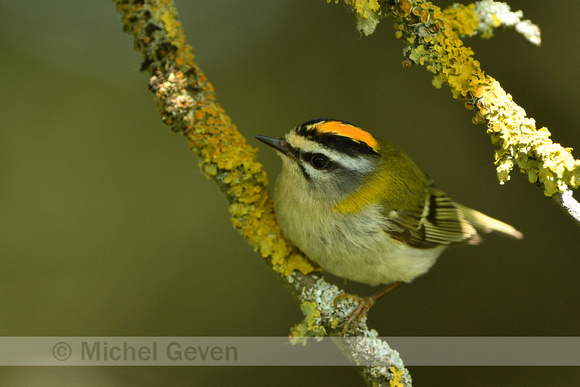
(566, 202)
(482, 17)
(187, 103)
(432, 39)
(479, 18)
(325, 312)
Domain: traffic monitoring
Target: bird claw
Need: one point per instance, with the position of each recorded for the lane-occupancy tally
(364, 305)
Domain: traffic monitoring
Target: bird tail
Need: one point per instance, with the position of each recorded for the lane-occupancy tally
(488, 224)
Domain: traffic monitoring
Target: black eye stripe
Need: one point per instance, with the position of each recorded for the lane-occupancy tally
(306, 175)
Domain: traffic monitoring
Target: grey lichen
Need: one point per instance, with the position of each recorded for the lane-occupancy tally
(494, 14)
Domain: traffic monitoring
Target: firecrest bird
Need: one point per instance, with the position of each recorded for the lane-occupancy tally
(363, 210)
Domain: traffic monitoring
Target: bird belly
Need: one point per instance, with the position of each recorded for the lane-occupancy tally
(355, 245)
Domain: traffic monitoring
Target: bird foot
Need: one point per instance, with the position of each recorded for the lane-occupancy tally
(364, 305)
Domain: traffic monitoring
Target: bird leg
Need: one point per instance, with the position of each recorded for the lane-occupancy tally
(364, 304)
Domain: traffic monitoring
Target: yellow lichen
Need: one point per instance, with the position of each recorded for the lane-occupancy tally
(451, 62)
(405, 7)
(521, 144)
(210, 170)
(462, 18)
(296, 262)
(311, 314)
(309, 327)
(434, 43)
(364, 8)
(397, 379)
(172, 26)
(419, 55)
(496, 21)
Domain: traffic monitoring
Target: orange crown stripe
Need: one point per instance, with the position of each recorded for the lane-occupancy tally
(347, 130)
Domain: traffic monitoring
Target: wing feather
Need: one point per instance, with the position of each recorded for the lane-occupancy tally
(437, 221)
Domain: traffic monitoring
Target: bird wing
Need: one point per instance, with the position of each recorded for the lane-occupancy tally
(434, 222)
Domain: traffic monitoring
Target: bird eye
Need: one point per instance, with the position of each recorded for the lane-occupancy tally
(319, 161)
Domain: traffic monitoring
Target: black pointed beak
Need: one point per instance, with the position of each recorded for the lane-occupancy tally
(278, 143)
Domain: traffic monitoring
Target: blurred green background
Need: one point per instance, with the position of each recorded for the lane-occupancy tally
(107, 228)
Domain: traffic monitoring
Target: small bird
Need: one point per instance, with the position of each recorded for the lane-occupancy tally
(363, 210)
